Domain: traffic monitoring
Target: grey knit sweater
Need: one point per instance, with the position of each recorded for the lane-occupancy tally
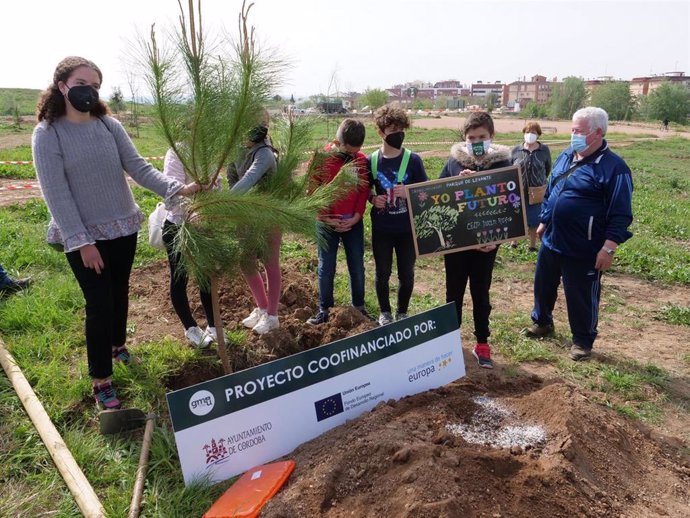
(80, 167)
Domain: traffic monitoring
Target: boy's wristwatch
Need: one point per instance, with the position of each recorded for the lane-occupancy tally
(608, 250)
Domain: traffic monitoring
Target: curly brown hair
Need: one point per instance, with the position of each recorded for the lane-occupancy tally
(51, 105)
(389, 115)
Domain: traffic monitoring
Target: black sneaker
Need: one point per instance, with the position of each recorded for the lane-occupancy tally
(320, 318)
(14, 286)
(537, 331)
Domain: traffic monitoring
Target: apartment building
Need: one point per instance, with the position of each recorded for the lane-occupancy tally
(536, 90)
(646, 85)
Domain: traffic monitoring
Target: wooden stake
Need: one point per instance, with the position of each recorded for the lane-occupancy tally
(80, 488)
(222, 351)
(135, 505)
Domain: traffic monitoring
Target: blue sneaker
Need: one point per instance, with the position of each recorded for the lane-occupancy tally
(105, 396)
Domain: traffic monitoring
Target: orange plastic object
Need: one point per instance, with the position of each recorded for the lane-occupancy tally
(246, 497)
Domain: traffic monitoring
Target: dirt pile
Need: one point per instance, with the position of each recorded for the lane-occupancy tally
(152, 315)
(401, 460)
(493, 444)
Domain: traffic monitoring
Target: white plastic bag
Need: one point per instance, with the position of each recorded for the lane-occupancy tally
(156, 220)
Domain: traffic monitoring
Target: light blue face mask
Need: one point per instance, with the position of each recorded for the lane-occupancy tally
(579, 142)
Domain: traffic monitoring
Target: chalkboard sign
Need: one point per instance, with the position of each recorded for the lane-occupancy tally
(465, 212)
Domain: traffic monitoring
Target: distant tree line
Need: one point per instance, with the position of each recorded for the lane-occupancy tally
(668, 101)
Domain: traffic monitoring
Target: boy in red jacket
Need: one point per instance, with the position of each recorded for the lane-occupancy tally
(343, 220)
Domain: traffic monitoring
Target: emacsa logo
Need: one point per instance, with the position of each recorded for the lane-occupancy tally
(201, 402)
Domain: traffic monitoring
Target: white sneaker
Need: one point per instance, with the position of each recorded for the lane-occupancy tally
(253, 318)
(266, 323)
(211, 331)
(385, 318)
(197, 337)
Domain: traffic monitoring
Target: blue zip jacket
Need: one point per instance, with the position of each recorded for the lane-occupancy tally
(591, 205)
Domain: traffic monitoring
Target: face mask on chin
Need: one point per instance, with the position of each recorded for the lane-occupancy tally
(478, 149)
(83, 98)
(530, 138)
(395, 140)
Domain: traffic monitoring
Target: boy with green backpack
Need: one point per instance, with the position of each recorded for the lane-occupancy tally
(391, 168)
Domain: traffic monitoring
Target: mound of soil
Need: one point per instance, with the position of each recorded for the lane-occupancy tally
(152, 317)
(493, 444)
(402, 459)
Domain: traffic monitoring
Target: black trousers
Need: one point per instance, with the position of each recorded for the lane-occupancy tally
(477, 267)
(179, 280)
(107, 300)
(383, 244)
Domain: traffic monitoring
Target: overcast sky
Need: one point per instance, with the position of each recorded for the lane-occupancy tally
(369, 43)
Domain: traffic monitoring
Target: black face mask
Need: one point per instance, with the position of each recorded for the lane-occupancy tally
(84, 98)
(258, 134)
(395, 140)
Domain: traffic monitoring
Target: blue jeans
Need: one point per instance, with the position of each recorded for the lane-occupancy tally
(353, 242)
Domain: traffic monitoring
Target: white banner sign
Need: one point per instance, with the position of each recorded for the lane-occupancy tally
(228, 425)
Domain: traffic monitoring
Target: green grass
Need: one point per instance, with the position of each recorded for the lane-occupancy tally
(673, 314)
(22, 99)
(630, 388)
(43, 329)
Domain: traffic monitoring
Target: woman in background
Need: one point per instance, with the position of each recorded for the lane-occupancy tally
(534, 159)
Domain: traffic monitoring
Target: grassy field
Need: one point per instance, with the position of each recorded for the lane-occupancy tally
(21, 101)
(43, 330)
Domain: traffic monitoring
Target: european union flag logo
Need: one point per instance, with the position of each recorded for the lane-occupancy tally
(328, 407)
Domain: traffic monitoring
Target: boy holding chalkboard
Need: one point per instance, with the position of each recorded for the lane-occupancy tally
(476, 153)
(391, 168)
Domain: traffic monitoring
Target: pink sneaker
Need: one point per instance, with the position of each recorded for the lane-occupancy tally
(105, 396)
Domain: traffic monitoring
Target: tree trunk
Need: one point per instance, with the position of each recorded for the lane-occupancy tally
(222, 351)
(441, 238)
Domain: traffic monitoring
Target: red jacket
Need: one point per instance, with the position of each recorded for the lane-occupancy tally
(356, 200)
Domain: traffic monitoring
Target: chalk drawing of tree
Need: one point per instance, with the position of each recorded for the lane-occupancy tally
(437, 219)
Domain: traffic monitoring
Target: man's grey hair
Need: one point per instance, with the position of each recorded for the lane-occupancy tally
(595, 117)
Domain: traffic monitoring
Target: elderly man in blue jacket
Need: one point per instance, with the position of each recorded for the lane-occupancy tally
(585, 216)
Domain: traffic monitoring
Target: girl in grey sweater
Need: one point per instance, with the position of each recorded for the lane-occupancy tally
(80, 155)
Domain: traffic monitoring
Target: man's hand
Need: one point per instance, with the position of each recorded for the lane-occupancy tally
(604, 259)
(540, 230)
(487, 248)
(465, 172)
(91, 258)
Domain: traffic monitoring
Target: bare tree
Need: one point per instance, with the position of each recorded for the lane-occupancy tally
(133, 119)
